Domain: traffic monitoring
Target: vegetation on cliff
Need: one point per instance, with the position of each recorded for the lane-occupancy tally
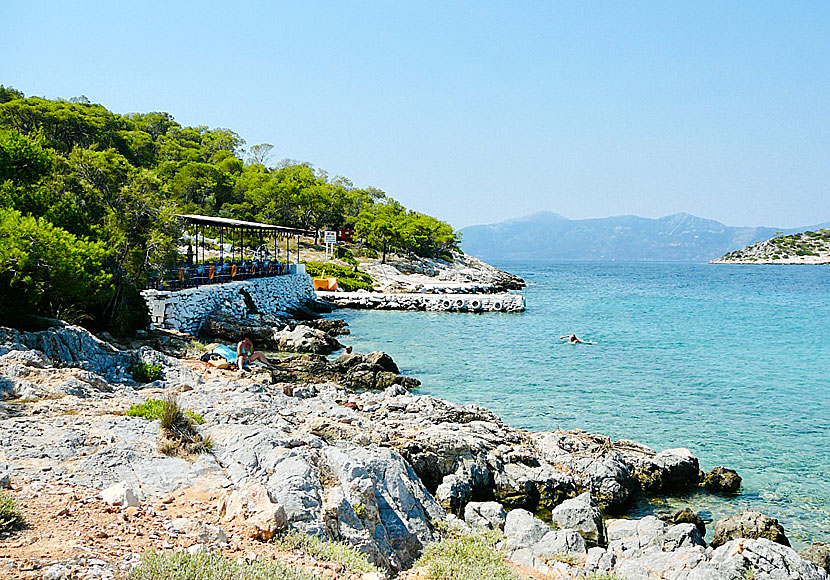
(807, 247)
(89, 196)
(347, 279)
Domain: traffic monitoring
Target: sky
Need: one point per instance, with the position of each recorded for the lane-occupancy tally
(476, 112)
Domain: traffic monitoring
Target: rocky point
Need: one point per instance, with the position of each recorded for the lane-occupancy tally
(341, 449)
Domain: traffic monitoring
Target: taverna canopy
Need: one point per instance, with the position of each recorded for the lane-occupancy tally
(228, 223)
(243, 252)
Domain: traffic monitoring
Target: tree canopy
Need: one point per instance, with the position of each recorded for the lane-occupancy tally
(109, 185)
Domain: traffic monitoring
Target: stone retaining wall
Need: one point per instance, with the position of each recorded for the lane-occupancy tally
(185, 310)
(431, 302)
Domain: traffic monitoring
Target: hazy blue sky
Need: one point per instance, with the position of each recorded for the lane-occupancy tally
(477, 112)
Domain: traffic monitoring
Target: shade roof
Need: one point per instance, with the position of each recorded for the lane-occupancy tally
(237, 224)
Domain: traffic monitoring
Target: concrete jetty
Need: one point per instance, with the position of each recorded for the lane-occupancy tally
(504, 302)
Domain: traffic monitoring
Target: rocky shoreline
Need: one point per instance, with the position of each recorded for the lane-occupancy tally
(340, 449)
(465, 274)
(465, 284)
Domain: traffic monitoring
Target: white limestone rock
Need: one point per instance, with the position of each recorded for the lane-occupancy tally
(526, 557)
(122, 494)
(524, 528)
(560, 543)
(305, 339)
(767, 560)
(266, 521)
(581, 514)
(488, 515)
(31, 358)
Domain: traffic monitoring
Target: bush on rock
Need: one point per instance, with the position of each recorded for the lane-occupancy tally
(145, 373)
(10, 517)
(152, 410)
(347, 279)
(178, 436)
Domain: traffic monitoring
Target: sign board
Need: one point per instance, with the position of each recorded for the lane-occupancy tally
(330, 237)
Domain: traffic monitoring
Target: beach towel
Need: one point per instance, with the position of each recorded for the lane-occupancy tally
(226, 352)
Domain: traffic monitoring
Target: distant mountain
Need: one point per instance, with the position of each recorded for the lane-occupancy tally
(549, 236)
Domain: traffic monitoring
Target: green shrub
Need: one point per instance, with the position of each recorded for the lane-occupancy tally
(461, 556)
(208, 566)
(346, 255)
(325, 551)
(149, 409)
(367, 253)
(360, 510)
(347, 279)
(145, 373)
(10, 517)
(152, 409)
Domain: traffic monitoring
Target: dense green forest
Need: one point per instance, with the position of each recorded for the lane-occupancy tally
(89, 199)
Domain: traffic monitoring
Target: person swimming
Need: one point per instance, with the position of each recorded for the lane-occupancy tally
(572, 339)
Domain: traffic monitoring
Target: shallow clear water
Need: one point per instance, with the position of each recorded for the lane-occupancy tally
(732, 362)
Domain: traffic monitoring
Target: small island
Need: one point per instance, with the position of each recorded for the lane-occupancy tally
(805, 248)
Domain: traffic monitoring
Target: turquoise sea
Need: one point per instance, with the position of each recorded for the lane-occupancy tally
(732, 362)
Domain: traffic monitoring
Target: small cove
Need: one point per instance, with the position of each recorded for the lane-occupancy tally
(729, 361)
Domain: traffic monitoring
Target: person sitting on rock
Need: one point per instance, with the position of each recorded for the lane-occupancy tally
(571, 338)
(245, 354)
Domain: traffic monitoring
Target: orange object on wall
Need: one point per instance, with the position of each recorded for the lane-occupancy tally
(328, 284)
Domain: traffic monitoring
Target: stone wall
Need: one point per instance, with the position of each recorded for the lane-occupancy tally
(185, 310)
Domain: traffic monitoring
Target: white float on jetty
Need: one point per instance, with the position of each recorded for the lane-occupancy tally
(504, 302)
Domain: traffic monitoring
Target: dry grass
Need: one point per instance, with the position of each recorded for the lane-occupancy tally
(178, 435)
(461, 556)
(325, 551)
(209, 566)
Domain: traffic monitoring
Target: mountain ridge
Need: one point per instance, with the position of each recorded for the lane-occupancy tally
(546, 235)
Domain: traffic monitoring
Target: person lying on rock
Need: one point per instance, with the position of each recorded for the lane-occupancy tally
(245, 354)
(571, 338)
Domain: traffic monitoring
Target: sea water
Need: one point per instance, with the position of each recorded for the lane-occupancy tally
(732, 362)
